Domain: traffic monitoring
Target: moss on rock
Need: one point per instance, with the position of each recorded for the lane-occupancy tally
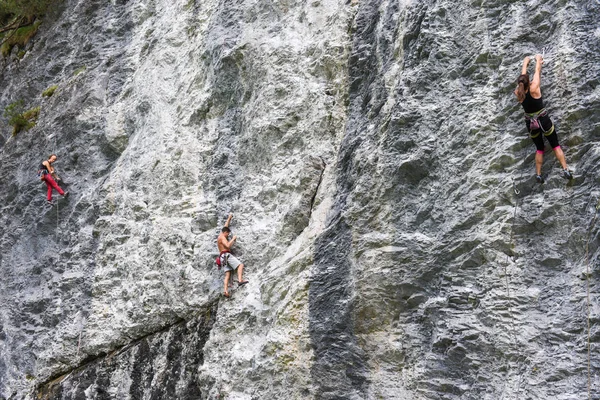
(18, 37)
(50, 91)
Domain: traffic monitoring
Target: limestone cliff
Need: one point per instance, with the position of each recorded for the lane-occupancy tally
(382, 185)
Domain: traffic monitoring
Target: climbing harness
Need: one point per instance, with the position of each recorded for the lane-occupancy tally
(222, 259)
(533, 118)
(536, 125)
(42, 171)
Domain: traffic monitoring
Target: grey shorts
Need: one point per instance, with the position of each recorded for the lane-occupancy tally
(231, 264)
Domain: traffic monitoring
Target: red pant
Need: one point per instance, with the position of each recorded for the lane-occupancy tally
(51, 183)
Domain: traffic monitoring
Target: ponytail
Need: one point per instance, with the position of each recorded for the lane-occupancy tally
(522, 87)
(520, 92)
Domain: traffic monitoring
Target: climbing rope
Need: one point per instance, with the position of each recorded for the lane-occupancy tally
(79, 343)
(588, 276)
(512, 320)
(57, 223)
(81, 322)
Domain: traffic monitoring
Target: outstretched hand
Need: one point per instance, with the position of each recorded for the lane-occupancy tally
(539, 58)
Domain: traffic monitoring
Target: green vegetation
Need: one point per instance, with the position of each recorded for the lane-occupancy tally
(19, 22)
(190, 4)
(20, 119)
(50, 91)
(32, 114)
(79, 70)
(19, 37)
(11, 10)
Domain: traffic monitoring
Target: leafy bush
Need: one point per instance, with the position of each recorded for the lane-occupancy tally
(18, 37)
(19, 21)
(20, 119)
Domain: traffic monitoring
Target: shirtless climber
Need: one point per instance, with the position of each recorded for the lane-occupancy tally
(228, 261)
(48, 175)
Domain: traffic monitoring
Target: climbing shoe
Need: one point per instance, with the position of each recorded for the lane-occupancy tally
(539, 179)
(66, 194)
(567, 174)
(49, 202)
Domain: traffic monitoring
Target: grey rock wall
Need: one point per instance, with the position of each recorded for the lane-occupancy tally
(381, 181)
(159, 366)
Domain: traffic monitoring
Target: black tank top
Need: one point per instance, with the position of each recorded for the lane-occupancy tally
(43, 168)
(531, 105)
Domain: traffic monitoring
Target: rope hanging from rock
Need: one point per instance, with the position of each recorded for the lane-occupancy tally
(587, 278)
(508, 297)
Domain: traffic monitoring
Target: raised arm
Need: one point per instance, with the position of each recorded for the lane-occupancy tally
(537, 76)
(228, 220)
(525, 64)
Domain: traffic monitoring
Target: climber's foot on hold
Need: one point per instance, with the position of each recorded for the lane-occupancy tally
(242, 283)
(226, 294)
(568, 175)
(539, 179)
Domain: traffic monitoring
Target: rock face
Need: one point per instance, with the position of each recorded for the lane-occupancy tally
(381, 180)
(159, 366)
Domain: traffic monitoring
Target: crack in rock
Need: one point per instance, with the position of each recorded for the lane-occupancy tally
(163, 364)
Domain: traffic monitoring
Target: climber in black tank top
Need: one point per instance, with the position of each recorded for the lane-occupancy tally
(531, 105)
(537, 120)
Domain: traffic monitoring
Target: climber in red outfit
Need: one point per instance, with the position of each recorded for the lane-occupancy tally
(48, 175)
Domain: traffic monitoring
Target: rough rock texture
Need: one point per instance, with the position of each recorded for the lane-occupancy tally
(381, 181)
(158, 366)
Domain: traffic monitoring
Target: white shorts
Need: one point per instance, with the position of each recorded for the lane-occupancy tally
(229, 262)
